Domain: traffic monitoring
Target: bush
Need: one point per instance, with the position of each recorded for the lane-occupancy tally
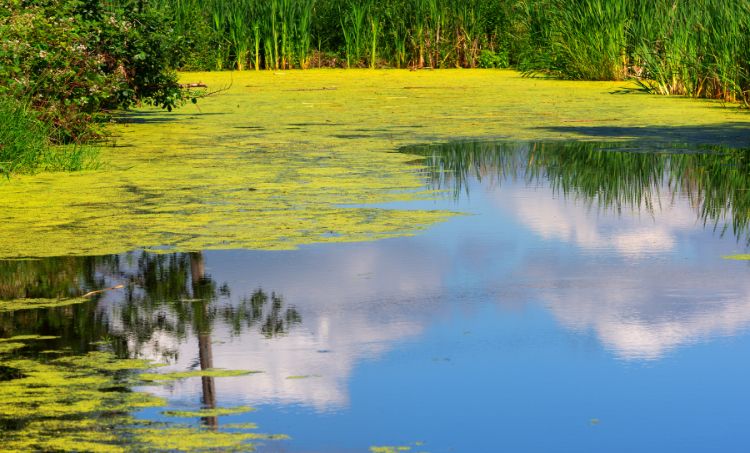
(76, 59)
(491, 59)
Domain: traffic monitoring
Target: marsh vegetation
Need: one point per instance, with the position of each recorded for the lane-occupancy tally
(696, 48)
(70, 62)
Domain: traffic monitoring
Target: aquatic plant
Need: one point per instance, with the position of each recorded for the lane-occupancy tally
(248, 177)
(214, 412)
(741, 257)
(196, 373)
(82, 403)
(697, 48)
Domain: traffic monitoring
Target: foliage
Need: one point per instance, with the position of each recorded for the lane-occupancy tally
(491, 59)
(25, 146)
(23, 138)
(73, 59)
(693, 47)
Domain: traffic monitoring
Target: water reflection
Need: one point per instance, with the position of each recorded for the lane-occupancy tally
(608, 176)
(167, 299)
(575, 254)
(609, 200)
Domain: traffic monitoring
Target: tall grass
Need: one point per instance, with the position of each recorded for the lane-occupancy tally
(688, 47)
(25, 144)
(23, 138)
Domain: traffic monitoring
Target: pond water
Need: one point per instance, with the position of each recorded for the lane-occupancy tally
(580, 301)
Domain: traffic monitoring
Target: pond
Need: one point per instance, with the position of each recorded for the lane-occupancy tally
(583, 297)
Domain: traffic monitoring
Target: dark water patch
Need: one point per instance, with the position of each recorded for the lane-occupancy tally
(145, 117)
(729, 134)
(252, 128)
(313, 124)
(346, 136)
(8, 373)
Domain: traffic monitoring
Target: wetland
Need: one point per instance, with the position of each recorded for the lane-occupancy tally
(423, 261)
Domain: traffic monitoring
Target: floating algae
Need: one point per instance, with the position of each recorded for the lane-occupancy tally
(215, 412)
(73, 404)
(197, 180)
(741, 257)
(196, 373)
(195, 439)
(32, 304)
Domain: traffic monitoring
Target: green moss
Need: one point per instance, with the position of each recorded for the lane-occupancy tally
(196, 373)
(741, 257)
(33, 304)
(216, 412)
(263, 166)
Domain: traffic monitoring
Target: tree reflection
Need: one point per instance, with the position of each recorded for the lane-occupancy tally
(605, 175)
(166, 296)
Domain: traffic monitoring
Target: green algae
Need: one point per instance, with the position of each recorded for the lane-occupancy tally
(37, 303)
(196, 439)
(60, 405)
(10, 347)
(245, 426)
(389, 449)
(251, 168)
(28, 338)
(214, 412)
(197, 373)
(81, 403)
(740, 257)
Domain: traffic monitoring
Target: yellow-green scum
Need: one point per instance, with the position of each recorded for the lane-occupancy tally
(276, 160)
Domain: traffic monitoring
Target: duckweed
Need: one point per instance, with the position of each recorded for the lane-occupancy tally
(197, 373)
(215, 412)
(253, 167)
(32, 304)
(195, 439)
(741, 257)
(71, 404)
(389, 449)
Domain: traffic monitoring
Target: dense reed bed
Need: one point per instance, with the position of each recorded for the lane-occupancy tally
(689, 47)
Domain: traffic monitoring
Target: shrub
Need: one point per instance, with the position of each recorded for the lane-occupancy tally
(75, 59)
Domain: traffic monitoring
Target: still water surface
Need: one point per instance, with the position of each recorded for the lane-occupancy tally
(579, 303)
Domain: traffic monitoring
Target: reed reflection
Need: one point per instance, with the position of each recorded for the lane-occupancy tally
(607, 176)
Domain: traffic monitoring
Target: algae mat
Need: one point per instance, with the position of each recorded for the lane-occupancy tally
(281, 159)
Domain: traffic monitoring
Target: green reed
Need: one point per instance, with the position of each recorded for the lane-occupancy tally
(697, 48)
